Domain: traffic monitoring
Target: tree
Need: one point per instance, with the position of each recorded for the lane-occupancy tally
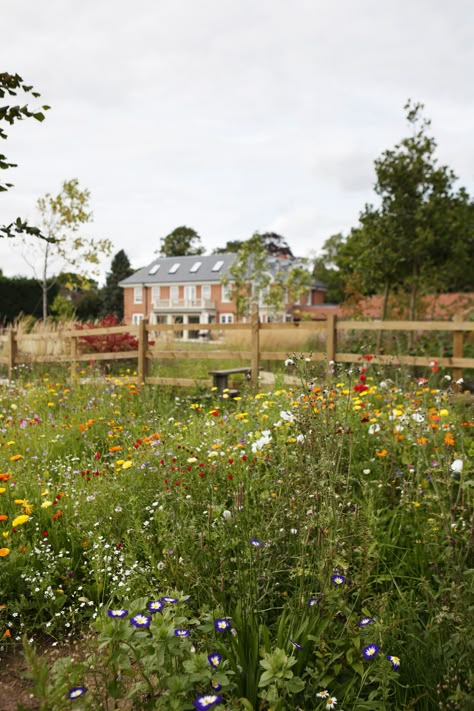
(422, 225)
(327, 270)
(181, 242)
(61, 217)
(112, 293)
(10, 85)
(232, 245)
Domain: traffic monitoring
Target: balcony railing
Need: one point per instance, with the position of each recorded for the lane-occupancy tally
(184, 305)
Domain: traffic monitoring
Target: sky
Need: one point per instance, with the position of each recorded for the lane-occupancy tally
(228, 116)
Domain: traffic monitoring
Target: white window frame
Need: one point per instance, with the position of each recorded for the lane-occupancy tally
(206, 292)
(155, 295)
(136, 318)
(138, 294)
(226, 293)
(226, 318)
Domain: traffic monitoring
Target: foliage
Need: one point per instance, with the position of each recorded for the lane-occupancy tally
(181, 242)
(327, 269)
(61, 217)
(21, 295)
(110, 342)
(317, 538)
(112, 293)
(10, 85)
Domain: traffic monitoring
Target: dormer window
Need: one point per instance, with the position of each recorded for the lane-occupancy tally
(174, 268)
(154, 269)
(195, 267)
(218, 265)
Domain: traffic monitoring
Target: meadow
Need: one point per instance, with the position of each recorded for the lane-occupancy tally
(302, 548)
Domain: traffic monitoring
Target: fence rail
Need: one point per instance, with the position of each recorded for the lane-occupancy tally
(73, 345)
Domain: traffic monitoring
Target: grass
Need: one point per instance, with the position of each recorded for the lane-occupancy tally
(329, 529)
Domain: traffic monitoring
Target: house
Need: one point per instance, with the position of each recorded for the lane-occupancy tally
(198, 290)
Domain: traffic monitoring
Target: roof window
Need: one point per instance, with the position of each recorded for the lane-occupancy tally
(154, 269)
(195, 267)
(217, 266)
(174, 268)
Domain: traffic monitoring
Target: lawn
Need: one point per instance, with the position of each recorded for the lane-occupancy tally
(309, 547)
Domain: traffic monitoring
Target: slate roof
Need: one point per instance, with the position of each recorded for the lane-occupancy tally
(183, 274)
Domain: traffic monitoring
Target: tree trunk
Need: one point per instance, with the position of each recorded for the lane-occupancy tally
(44, 283)
(412, 311)
(386, 294)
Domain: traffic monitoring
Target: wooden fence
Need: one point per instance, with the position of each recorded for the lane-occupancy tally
(330, 330)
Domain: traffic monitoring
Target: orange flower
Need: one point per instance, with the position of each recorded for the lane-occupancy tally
(449, 439)
(421, 440)
(7, 633)
(117, 448)
(16, 457)
(383, 453)
(5, 477)
(3, 517)
(4, 552)
(57, 515)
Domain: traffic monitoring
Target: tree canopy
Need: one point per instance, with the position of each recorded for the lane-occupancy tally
(181, 242)
(112, 293)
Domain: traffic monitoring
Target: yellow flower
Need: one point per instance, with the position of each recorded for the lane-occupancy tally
(4, 552)
(127, 465)
(19, 520)
(46, 504)
(16, 457)
(2, 489)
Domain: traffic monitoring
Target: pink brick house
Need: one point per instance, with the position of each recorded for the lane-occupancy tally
(194, 290)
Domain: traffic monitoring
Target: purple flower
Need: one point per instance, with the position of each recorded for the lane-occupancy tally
(171, 600)
(371, 651)
(119, 614)
(295, 644)
(140, 621)
(338, 579)
(364, 621)
(221, 624)
(155, 606)
(207, 701)
(256, 543)
(215, 686)
(314, 601)
(76, 692)
(181, 633)
(394, 661)
(214, 659)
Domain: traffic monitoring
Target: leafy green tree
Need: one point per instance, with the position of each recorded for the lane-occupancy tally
(232, 245)
(326, 268)
(112, 293)
(181, 242)
(62, 216)
(10, 86)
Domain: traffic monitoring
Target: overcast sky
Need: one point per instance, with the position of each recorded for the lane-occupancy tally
(228, 116)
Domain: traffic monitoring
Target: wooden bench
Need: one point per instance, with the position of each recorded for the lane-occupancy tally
(220, 378)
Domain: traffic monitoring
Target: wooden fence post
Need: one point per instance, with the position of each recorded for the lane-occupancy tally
(458, 347)
(142, 349)
(12, 352)
(331, 341)
(255, 345)
(73, 357)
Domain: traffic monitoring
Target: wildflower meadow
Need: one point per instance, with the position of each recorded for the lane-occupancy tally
(302, 548)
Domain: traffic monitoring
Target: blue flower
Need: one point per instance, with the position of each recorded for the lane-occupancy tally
(364, 621)
(314, 601)
(295, 644)
(257, 543)
(338, 579)
(181, 633)
(207, 701)
(140, 621)
(214, 659)
(371, 651)
(215, 686)
(76, 692)
(155, 606)
(221, 624)
(395, 662)
(171, 600)
(118, 614)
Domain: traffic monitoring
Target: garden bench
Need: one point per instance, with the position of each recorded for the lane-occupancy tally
(220, 378)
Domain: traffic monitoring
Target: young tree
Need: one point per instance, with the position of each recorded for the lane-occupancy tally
(112, 293)
(10, 85)
(61, 217)
(181, 242)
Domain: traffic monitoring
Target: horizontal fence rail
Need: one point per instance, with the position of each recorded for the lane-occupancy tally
(74, 347)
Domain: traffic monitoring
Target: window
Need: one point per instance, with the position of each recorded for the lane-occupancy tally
(137, 294)
(174, 294)
(174, 268)
(218, 265)
(195, 267)
(154, 269)
(226, 293)
(227, 318)
(136, 318)
(155, 295)
(206, 292)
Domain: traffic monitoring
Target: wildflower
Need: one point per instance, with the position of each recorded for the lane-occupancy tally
(181, 633)
(313, 601)
(323, 694)
(4, 552)
(3, 517)
(295, 644)
(457, 466)
(331, 703)
(46, 504)
(214, 659)
(221, 624)
(288, 362)
(171, 600)
(256, 543)
(155, 606)
(140, 621)
(364, 621)
(371, 651)
(76, 692)
(117, 613)
(207, 701)
(214, 685)
(19, 520)
(338, 579)
(395, 662)
(287, 416)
